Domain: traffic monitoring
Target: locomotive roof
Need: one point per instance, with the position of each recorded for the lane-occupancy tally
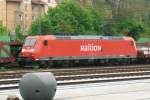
(91, 37)
(83, 37)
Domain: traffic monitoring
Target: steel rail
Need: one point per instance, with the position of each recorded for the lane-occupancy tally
(12, 84)
(73, 71)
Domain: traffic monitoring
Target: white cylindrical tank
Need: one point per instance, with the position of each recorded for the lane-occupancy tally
(38, 86)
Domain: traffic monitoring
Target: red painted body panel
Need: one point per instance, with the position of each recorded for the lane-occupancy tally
(100, 48)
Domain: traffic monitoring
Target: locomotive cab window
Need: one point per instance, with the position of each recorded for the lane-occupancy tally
(45, 43)
(30, 41)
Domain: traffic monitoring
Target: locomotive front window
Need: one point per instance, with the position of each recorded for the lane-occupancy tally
(30, 41)
(27, 41)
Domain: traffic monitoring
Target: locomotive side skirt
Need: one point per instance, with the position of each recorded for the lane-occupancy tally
(85, 57)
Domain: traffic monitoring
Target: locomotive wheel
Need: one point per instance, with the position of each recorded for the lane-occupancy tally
(42, 64)
(45, 64)
(63, 63)
(71, 63)
(49, 64)
(68, 63)
(21, 63)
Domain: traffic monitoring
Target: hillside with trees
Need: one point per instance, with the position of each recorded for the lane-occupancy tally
(103, 17)
(127, 17)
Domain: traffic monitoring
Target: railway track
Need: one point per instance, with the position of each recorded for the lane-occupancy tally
(10, 80)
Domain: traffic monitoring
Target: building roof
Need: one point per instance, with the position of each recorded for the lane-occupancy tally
(14, 0)
(38, 2)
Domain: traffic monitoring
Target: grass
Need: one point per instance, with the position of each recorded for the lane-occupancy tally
(36, 68)
(3, 69)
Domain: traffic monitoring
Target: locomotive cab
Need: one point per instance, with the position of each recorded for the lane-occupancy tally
(28, 48)
(34, 47)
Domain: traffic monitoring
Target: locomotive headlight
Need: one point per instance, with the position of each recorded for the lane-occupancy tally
(32, 50)
(23, 50)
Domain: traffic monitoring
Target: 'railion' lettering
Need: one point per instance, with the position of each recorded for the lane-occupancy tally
(90, 47)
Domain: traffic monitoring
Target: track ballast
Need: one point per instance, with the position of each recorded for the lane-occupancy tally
(10, 80)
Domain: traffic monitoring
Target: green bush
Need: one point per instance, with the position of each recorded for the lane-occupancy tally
(3, 30)
(2, 69)
(19, 33)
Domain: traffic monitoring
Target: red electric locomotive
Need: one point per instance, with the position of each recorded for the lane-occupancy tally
(64, 48)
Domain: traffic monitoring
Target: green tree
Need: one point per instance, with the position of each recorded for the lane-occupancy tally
(3, 30)
(19, 33)
(135, 32)
(69, 17)
(132, 28)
